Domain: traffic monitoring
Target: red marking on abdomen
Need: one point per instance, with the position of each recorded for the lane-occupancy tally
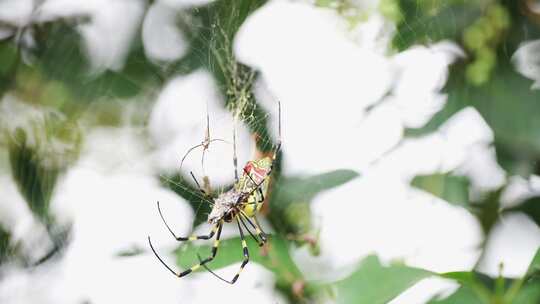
(258, 174)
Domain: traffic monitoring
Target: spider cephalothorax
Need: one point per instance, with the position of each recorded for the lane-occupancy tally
(225, 207)
(241, 203)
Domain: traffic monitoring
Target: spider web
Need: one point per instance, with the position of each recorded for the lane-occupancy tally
(237, 84)
(183, 184)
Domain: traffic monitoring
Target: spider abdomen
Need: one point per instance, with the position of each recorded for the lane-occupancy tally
(254, 181)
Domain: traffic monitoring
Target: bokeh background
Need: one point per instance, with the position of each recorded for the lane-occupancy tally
(408, 172)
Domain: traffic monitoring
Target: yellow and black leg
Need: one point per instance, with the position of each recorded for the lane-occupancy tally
(258, 231)
(245, 252)
(208, 259)
(241, 217)
(189, 238)
(201, 263)
(244, 261)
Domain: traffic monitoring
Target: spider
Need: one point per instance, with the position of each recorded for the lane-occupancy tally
(240, 204)
(205, 144)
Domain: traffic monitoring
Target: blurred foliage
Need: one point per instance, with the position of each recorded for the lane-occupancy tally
(462, 295)
(490, 32)
(533, 271)
(38, 152)
(34, 180)
(480, 25)
(456, 190)
(530, 206)
(451, 188)
(198, 202)
(390, 9)
(291, 196)
(38, 155)
(506, 101)
(510, 108)
(425, 21)
(9, 58)
(481, 38)
(479, 288)
(61, 42)
(4, 245)
(350, 10)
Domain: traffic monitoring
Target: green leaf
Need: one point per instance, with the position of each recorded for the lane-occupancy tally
(480, 288)
(39, 151)
(291, 196)
(529, 294)
(60, 55)
(510, 108)
(451, 188)
(305, 188)
(137, 74)
(9, 59)
(34, 180)
(473, 287)
(4, 245)
(464, 295)
(196, 200)
(534, 266)
(374, 283)
(527, 288)
(530, 206)
(274, 256)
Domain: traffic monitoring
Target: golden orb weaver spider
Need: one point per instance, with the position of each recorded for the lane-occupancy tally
(241, 203)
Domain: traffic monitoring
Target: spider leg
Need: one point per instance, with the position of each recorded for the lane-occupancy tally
(244, 262)
(262, 196)
(259, 242)
(194, 267)
(189, 151)
(235, 158)
(205, 144)
(198, 185)
(189, 238)
(258, 231)
(202, 160)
